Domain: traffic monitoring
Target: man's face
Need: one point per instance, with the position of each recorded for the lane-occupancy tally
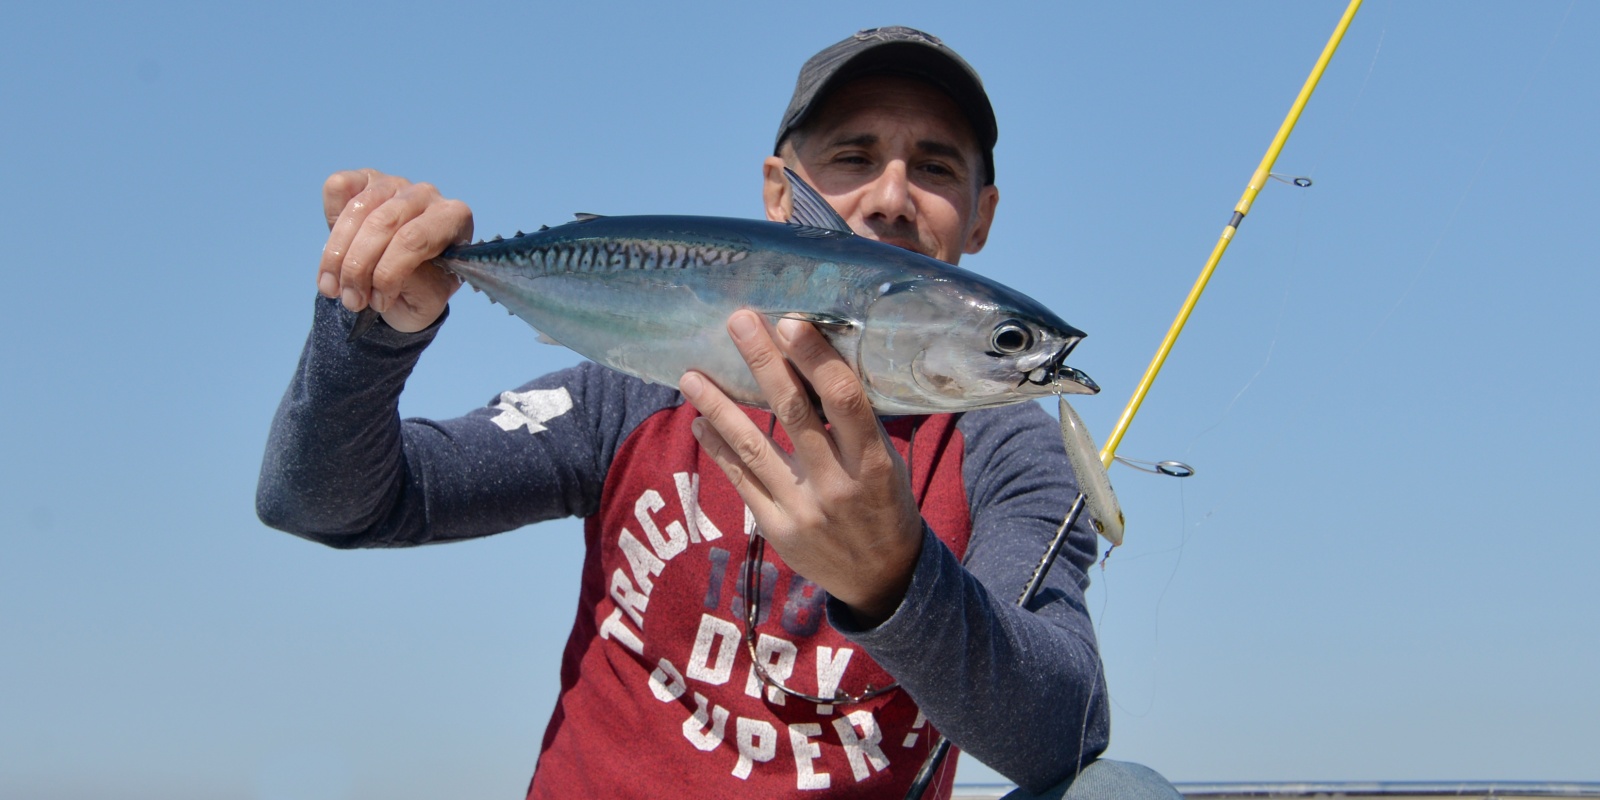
(897, 159)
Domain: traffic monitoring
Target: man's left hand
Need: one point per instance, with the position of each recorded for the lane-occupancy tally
(839, 509)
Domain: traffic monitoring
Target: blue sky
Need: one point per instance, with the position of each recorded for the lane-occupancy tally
(1382, 571)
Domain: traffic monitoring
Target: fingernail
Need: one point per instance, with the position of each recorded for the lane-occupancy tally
(351, 299)
(698, 427)
(788, 328)
(691, 386)
(377, 302)
(328, 285)
(743, 326)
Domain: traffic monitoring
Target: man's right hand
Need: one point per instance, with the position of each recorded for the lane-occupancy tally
(383, 234)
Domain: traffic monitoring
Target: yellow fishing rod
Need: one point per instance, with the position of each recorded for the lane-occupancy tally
(930, 767)
(1258, 180)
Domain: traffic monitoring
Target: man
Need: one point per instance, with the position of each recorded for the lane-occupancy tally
(874, 609)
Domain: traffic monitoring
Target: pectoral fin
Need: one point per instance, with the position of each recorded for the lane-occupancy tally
(815, 318)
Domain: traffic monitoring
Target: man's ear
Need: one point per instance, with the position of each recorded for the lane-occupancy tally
(775, 192)
(988, 198)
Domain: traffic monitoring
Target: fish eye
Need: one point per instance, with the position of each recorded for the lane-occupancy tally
(1011, 337)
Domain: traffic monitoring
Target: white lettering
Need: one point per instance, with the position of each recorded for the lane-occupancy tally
(712, 630)
(805, 752)
(531, 409)
(916, 725)
(643, 561)
(703, 733)
(750, 527)
(666, 683)
(757, 741)
(627, 599)
(676, 539)
(862, 750)
(779, 670)
(614, 626)
(830, 671)
(700, 526)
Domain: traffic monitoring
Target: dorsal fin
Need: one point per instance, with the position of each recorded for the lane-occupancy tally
(584, 216)
(810, 210)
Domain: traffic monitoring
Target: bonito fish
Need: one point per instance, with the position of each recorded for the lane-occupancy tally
(650, 296)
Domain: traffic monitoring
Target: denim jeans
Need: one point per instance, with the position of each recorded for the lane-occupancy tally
(1107, 780)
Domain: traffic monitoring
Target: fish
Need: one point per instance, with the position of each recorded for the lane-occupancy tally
(650, 296)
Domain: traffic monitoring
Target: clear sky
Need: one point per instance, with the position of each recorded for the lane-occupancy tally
(1384, 569)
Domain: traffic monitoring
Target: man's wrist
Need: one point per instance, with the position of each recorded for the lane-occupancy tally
(878, 609)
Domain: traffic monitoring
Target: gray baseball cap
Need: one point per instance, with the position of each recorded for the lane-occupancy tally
(895, 50)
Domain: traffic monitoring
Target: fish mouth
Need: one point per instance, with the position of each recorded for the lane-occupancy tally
(1061, 378)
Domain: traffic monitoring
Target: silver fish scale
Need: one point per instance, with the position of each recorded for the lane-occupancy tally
(608, 255)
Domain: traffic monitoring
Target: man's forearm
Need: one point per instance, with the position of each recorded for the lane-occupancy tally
(334, 460)
(1021, 691)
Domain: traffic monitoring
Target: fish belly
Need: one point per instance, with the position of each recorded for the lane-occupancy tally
(652, 324)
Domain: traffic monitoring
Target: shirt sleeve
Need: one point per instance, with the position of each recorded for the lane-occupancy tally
(1023, 690)
(343, 469)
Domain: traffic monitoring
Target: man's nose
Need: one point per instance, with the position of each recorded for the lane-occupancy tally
(889, 195)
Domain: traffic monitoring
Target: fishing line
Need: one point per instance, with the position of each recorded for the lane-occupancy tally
(1340, 133)
(1343, 128)
(1477, 172)
(1292, 267)
(1155, 644)
(1179, 468)
(1240, 210)
(1283, 307)
(920, 781)
(1417, 274)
